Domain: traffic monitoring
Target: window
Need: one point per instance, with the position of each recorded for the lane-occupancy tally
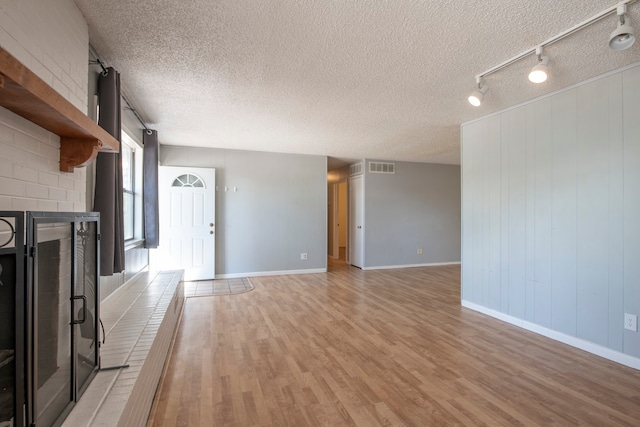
(131, 153)
(188, 180)
(128, 187)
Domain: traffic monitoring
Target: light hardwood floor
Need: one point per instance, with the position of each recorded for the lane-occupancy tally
(370, 348)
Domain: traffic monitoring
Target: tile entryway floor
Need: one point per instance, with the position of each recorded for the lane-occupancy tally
(217, 287)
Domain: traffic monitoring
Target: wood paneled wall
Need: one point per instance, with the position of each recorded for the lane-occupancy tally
(551, 211)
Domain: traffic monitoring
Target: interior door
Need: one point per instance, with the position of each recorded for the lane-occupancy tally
(356, 221)
(187, 221)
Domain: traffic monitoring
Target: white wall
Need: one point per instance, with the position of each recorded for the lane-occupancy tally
(551, 201)
(51, 39)
(278, 212)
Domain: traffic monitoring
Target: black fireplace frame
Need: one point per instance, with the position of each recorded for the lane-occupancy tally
(31, 381)
(16, 222)
(18, 249)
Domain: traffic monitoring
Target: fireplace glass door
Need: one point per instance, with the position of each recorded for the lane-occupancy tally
(63, 342)
(85, 304)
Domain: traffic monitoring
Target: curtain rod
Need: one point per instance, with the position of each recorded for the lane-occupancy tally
(129, 107)
(100, 63)
(133, 110)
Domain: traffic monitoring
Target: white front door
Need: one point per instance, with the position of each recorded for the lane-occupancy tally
(187, 221)
(356, 221)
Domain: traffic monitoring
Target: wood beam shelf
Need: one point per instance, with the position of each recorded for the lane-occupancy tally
(24, 93)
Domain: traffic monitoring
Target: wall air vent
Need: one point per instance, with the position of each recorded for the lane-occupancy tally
(382, 167)
(356, 169)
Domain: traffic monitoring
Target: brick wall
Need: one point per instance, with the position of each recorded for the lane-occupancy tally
(52, 40)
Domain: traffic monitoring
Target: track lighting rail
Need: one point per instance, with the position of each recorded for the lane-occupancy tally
(555, 38)
(620, 39)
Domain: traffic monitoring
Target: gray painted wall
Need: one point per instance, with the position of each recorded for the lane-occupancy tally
(417, 207)
(551, 208)
(278, 212)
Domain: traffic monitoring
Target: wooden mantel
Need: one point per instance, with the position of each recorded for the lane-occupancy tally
(24, 93)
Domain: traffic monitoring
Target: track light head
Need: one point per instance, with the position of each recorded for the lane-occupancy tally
(623, 36)
(540, 72)
(477, 96)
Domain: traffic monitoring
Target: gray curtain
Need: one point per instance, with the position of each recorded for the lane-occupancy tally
(108, 193)
(150, 188)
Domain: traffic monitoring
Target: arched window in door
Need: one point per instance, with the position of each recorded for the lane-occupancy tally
(188, 180)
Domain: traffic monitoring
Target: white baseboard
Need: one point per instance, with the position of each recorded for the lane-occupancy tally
(270, 273)
(598, 350)
(389, 267)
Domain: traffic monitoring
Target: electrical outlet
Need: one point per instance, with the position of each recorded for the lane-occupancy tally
(631, 322)
(303, 255)
(420, 251)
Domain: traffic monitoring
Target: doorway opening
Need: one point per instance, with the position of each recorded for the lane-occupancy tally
(338, 221)
(342, 224)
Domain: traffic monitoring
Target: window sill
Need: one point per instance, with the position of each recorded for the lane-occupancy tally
(133, 243)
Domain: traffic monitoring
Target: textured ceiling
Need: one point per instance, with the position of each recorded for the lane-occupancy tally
(382, 79)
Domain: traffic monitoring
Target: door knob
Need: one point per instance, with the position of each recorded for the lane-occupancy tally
(211, 224)
(211, 232)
